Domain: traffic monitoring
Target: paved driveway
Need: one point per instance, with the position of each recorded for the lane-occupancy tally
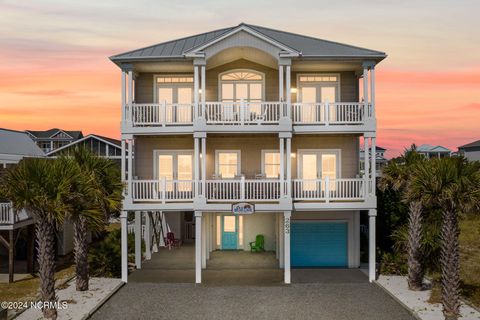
(337, 300)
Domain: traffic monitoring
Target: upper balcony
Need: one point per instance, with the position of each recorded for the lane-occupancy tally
(249, 116)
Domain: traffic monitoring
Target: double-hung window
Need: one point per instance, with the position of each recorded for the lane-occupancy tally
(227, 163)
(271, 164)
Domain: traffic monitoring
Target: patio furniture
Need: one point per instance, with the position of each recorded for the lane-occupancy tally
(170, 241)
(258, 244)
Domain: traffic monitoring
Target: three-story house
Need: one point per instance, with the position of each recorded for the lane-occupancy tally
(248, 130)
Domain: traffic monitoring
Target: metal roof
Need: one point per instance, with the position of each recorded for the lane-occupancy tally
(430, 148)
(18, 143)
(470, 145)
(45, 134)
(113, 142)
(306, 45)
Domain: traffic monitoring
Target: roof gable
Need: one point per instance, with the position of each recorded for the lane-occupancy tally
(470, 145)
(111, 142)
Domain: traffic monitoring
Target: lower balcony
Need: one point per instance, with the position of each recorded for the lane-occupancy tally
(304, 193)
(9, 219)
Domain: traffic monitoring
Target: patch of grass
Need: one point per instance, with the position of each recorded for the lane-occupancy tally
(470, 258)
(28, 289)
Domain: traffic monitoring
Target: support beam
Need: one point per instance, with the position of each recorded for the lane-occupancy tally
(280, 83)
(204, 167)
(282, 240)
(124, 246)
(122, 162)
(288, 91)
(204, 241)
(372, 213)
(202, 108)
(196, 158)
(147, 237)
(195, 90)
(138, 239)
(373, 164)
(198, 247)
(11, 255)
(372, 89)
(366, 160)
(286, 231)
(31, 249)
(124, 95)
(289, 167)
(365, 86)
(130, 168)
(282, 166)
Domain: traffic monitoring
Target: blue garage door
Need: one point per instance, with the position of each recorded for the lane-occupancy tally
(318, 244)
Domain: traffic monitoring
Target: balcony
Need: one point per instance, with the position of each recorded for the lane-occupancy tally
(329, 193)
(9, 219)
(253, 116)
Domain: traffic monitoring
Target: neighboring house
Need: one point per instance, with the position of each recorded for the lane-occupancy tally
(248, 130)
(434, 151)
(15, 146)
(381, 161)
(471, 151)
(53, 139)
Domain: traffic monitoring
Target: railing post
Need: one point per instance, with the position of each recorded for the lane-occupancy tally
(242, 188)
(242, 111)
(327, 113)
(327, 189)
(164, 189)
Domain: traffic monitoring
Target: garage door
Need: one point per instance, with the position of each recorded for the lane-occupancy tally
(318, 244)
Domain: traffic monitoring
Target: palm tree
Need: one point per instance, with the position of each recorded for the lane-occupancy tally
(99, 189)
(396, 175)
(42, 187)
(453, 184)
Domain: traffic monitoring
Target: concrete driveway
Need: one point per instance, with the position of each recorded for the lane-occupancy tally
(334, 300)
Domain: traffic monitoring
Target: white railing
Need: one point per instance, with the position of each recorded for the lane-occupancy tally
(337, 113)
(163, 190)
(329, 189)
(243, 112)
(244, 190)
(161, 114)
(6, 213)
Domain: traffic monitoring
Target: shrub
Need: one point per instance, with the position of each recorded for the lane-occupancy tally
(393, 264)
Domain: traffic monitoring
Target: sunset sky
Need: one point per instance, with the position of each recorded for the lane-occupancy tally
(55, 70)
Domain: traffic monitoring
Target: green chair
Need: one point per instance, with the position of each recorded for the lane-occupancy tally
(258, 244)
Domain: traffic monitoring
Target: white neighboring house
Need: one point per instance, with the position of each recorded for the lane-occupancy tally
(15, 146)
(471, 151)
(381, 161)
(430, 151)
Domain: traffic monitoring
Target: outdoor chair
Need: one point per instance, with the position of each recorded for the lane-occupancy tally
(258, 244)
(170, 241)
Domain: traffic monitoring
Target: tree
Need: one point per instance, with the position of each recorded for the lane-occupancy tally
(452, 184)
(43, 188)
(100, 192)
(397, 176)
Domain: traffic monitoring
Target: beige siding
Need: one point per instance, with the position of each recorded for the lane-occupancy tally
(251, 151)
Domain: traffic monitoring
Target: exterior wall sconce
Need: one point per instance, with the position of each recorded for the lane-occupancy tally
(293, 90)
(293, 155)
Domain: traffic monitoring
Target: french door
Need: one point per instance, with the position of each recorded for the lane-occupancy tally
(178, 100)
(176, 167)
(315, 165)
(313, 94)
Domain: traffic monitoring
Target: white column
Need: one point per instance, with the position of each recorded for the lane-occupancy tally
(277, 237)
(196, 170)
(280, 83)
(366, 158)
(372, 213)
(130, 167)
(365, 85)
(202, 110)
(124, 246)
(373, 164)
(281, 237)
(195, 91)
(289, 167)
(130, 95)
(204, 241)
(147, 237)
(198, 247)
(288, 93)
(286, 231)
(282, 166)
(138, 239)
(124, 95)
(204, 166)
(372, 89)
(122, 163)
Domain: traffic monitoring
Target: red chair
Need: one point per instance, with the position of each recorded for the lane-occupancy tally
(170, 241)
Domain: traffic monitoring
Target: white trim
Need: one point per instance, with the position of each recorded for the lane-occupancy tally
(53, 135)
(83, 139)
(319, 84)
(174, 153)
(220, 82)
(337, 152)
(239, 158)
(196, 50)
(264, 151)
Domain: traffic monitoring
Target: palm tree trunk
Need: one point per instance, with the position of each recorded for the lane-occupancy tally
(415, 269)
(46, 265)
(81, 254)
(449, 259)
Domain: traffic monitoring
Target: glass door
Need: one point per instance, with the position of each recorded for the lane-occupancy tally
(176, 166)
(315, 165)
(229, 232)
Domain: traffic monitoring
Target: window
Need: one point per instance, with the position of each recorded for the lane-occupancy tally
(319, 164)
(271, 163)
(239, 85)
(174, 79)
(228, 163)
(175, 165)
(175, 90)
(315, 89)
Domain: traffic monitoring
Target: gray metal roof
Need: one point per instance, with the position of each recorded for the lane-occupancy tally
(308, 46)
(45, 134)
(470, 145)
(18, 143)
(430, 148)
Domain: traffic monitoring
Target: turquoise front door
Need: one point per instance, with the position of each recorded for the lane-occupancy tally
(229, 232)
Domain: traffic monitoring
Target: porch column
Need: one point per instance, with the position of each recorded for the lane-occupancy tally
(130, 168)
(281, 237)
(195, 91)
(124, 95)
(130, 96)
(372, 213)
(365, 85)
(373, 164)
(122, 163)
(366, 159)
(11, 255)
(196, 158)
(282, 166)
(204, 167)
(204, 240)
(372, 89)
(203, 78)
(124, 246)
(289, 167)
(288, 92)
(286, 230)
(147, 237)
(198, 246)
(280, 83)
(138, 239)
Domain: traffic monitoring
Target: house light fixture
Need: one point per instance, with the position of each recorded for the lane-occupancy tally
(293, 90)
